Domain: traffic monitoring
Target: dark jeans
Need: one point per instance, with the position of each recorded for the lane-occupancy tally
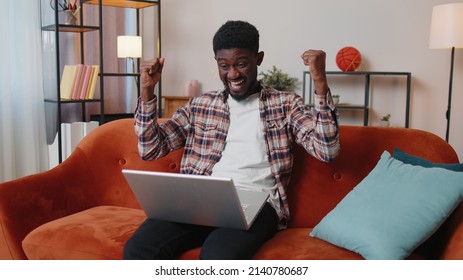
(156, 239)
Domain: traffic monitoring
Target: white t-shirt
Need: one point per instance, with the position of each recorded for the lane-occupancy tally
(245, 157)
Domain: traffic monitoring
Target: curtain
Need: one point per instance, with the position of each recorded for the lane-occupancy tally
(23, 148)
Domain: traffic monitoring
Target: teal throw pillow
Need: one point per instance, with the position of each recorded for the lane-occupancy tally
(414, 160)
(393, 210)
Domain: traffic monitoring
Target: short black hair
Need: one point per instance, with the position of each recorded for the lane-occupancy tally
(236, 34)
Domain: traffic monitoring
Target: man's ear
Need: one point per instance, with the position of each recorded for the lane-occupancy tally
(260, 57)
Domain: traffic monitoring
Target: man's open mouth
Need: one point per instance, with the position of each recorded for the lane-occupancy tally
(236, 85)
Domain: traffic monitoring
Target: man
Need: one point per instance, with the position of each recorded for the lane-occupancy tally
(245, 131)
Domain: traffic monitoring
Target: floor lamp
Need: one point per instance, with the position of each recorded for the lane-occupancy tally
(447, 32)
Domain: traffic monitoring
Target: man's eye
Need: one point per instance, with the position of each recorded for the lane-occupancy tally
(224, 66)
(241, 65)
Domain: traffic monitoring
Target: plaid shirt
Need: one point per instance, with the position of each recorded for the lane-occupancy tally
(201, 127)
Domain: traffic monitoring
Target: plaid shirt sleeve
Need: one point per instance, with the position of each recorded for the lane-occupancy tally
(145, 128)
(319, 135)
(157, 140)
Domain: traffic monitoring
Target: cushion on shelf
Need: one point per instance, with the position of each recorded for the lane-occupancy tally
(393, 210)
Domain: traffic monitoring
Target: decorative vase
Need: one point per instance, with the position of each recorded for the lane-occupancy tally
(70, 17)
(384, 123)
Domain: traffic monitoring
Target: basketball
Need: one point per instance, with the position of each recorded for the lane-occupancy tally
(348, 59)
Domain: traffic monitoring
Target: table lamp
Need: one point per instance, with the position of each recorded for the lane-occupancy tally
(129, 47)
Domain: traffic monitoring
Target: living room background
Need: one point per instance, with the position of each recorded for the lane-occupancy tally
(390, 35)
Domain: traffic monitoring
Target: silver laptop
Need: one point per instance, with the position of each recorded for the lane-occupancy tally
(194, 199)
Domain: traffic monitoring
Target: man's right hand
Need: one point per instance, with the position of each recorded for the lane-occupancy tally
(150, 74)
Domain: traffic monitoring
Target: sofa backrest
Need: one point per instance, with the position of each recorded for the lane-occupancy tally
(113, 147)
(317, 187)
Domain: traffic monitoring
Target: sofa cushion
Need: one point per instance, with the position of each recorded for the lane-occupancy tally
(393, 210)
(95, 233)
(414, 160)
(292, 244)
(295, 244)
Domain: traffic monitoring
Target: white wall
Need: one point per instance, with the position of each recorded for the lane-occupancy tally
(391, 36)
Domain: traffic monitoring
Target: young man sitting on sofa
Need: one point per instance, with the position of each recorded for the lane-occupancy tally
(245, 131)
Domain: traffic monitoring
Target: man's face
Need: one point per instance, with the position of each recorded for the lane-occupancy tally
(238, 70)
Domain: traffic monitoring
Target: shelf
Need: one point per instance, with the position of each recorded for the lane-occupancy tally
(121, 74)
(371, 73)
(54, 100)
(342, 106)
(136, 4)
(351, 107)
(366, 76)
(51, 20)
(70, 28)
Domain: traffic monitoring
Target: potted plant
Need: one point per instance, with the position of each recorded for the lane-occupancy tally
(278, 80)
(335, 99)
(384, 122)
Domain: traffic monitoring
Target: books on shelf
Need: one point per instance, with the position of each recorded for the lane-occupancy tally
(78, 82)
(67, 81)
(93, 82)
(86, 72)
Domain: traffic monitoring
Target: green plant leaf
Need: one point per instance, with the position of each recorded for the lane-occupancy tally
(278, 80)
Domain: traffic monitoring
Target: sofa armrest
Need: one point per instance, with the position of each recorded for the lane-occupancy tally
(31, 201)
(90, 177)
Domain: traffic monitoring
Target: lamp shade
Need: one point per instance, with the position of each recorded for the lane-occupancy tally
(129, 46)
(446, 26)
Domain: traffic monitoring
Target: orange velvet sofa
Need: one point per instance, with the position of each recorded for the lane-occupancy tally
(84, 208)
